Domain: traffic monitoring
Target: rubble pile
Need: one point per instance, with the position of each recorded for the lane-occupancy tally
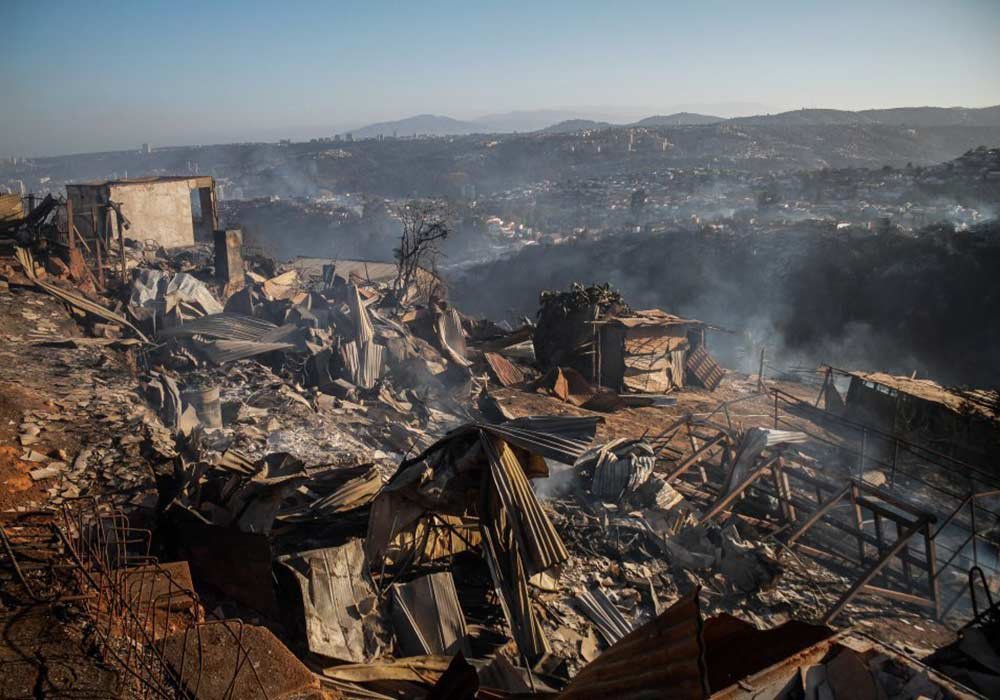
(333, 460)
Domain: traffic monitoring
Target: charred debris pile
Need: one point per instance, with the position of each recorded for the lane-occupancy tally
(335, 464)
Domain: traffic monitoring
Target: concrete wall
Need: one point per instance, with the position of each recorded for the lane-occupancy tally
(158, 211)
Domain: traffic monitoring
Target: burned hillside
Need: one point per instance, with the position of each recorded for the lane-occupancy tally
(227, 475)
(900, 302)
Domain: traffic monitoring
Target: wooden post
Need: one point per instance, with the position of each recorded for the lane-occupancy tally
(93, 220)
(775, 410)
(932, 578)
(121, 244)
(782, 505)
(69, 223)
(760, 371)
(880, 539)
(871, 571)
(100, 264)
(861, 459)
(906, 564)
(792, 514)
(817, 514)
(895, 456)
(737, 492)
(859, 522)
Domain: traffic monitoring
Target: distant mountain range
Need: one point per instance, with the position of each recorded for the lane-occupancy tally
(420, 125)
(901, 116)
(555, 121)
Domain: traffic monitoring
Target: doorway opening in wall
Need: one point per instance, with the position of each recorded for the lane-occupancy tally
(196, 213)
(202, 212)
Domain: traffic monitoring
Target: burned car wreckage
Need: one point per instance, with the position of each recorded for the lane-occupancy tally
(323, 484)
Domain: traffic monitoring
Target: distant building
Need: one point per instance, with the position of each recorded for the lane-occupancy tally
(171, 211)
(147, 148)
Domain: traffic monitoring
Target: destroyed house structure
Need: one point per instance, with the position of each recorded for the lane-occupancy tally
(964, 424)
(472, 490)
(647, 351)
(172, 211)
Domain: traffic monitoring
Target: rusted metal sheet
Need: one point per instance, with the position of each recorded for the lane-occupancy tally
(736, 651)
(505, 372)
(704, 368)
(663, 658)
(228, 659)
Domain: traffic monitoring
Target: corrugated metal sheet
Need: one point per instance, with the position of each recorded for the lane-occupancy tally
(372, 364)
(504, 558)
(505, 372)
(448, 326)
(338, 599)
(363, 331)
(613, 477)
(226, 326)
(541, 545)
(736, 651)
(353, 493)
(427, 616)
(563, 439)
(607, 618)
(364, 367)
(663, 658)
(220, 352)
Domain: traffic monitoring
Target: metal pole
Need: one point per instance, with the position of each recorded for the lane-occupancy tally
(861, 460)
(895, 456)
(975, 547)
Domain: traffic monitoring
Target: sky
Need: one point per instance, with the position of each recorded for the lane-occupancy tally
(106, 75)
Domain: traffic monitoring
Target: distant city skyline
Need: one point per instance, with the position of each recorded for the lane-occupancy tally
(83, 78)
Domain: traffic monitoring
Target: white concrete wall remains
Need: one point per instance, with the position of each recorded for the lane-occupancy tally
(158, 211)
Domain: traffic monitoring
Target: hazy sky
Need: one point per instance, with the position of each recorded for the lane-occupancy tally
(84, 76)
